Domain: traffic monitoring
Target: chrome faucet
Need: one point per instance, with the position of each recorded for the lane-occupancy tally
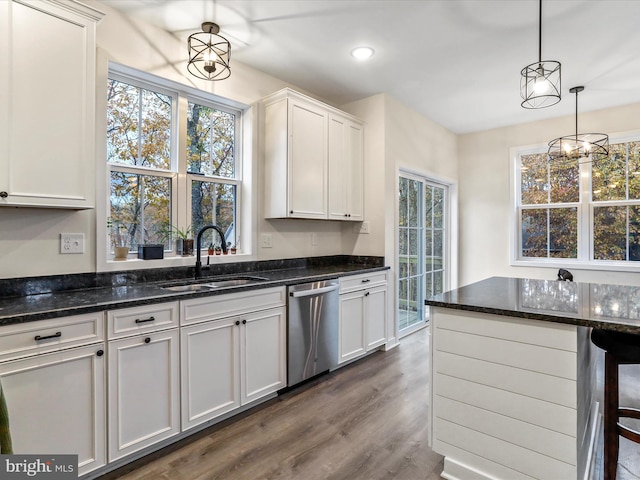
(199, 237)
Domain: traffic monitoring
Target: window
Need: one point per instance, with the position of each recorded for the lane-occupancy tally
(579, 211)
(157, 187)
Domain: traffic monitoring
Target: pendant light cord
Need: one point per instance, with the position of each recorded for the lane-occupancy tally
(540, 34)
(577, 115)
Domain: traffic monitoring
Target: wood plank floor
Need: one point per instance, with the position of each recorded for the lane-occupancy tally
(365, 421)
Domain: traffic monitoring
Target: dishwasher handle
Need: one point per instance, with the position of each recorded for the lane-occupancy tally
(314, 291)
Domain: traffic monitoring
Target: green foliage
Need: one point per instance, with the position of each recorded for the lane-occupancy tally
(552, 231)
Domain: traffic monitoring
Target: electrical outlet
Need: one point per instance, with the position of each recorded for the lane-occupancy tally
(361, 228)
(71, 243)
(265, 240)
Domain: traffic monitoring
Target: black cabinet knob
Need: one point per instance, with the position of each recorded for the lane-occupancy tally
(237, 322)
(100, 353)
(147, 340)
(244, 322)
(4, 194)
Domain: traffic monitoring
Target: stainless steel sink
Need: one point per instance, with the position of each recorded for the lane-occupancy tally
(196, 287)
(210, 284)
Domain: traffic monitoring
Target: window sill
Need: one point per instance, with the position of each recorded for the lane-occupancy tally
(134, 263)
(570, 263)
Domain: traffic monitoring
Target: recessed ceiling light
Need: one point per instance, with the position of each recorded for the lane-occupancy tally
(362, 53)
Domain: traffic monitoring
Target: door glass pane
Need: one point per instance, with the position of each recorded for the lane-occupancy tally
(421, 269)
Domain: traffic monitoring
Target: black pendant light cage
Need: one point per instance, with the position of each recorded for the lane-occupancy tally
(540, 84)
(590, 146)
(209, 53)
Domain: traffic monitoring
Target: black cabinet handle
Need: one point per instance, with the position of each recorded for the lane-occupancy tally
(366, 294)
(237, 322)
(244, 322)
(147, 340)
(100, 353)
(37, 338)
(150, 319)
(366, 280)
(4, 194)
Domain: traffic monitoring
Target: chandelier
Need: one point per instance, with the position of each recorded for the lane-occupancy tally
(579, 145)
(209, 53)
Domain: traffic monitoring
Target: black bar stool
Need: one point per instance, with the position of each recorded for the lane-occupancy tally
(620, 349)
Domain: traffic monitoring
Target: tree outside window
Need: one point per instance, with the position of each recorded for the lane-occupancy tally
(551, 209)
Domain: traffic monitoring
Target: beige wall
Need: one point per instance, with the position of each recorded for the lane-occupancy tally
(484, 194)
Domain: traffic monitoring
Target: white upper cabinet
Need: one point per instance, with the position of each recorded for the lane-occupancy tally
(346, 168)
(47, 93)
(303, 139)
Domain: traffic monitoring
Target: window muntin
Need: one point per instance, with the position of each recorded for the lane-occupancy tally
(552, 212)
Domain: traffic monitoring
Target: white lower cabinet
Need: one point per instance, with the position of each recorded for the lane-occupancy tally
(144, 395)
(57, 400)
(363, 315)
(263, 353)
(231, 361)
(210, 370)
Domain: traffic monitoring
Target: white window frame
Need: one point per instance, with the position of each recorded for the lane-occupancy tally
(246, 222)
(585, 216)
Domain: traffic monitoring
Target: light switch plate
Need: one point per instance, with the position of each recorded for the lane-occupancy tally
(265, 240)
(71, 243)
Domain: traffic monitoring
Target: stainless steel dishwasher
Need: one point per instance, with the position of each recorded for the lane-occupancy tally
(312, 330)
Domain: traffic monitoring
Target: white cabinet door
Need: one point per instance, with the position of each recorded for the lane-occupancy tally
(352, 326)
(144, 395)
(355, 161)
(210, 370)
(56, 404)
(307, 171)
(346, 169)
(263, 352)
(47, 90)
(375, 316)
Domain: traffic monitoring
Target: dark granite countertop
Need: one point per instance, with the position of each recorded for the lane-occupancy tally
(612, 307)
(59, 303)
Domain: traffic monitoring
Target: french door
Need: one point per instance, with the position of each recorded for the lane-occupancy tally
(422, 248)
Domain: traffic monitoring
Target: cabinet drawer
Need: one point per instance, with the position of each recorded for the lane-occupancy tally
(43, 336)
(148, 318)
(359, 282)
(221, 306)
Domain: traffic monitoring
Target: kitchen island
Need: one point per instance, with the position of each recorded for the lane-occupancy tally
(513, 375)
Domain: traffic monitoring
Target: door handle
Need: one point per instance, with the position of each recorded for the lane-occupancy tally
(314, 291)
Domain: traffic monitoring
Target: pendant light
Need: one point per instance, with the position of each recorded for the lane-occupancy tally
(579, 145)
(540, 82)
(209, 53)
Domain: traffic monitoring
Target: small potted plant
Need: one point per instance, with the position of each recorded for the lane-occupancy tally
(184, 240)
(118, 234)
(218, 249)
(228, 250)
(210, 249)
(233, 249)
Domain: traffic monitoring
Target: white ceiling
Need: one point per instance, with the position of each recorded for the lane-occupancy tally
(457, 62)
